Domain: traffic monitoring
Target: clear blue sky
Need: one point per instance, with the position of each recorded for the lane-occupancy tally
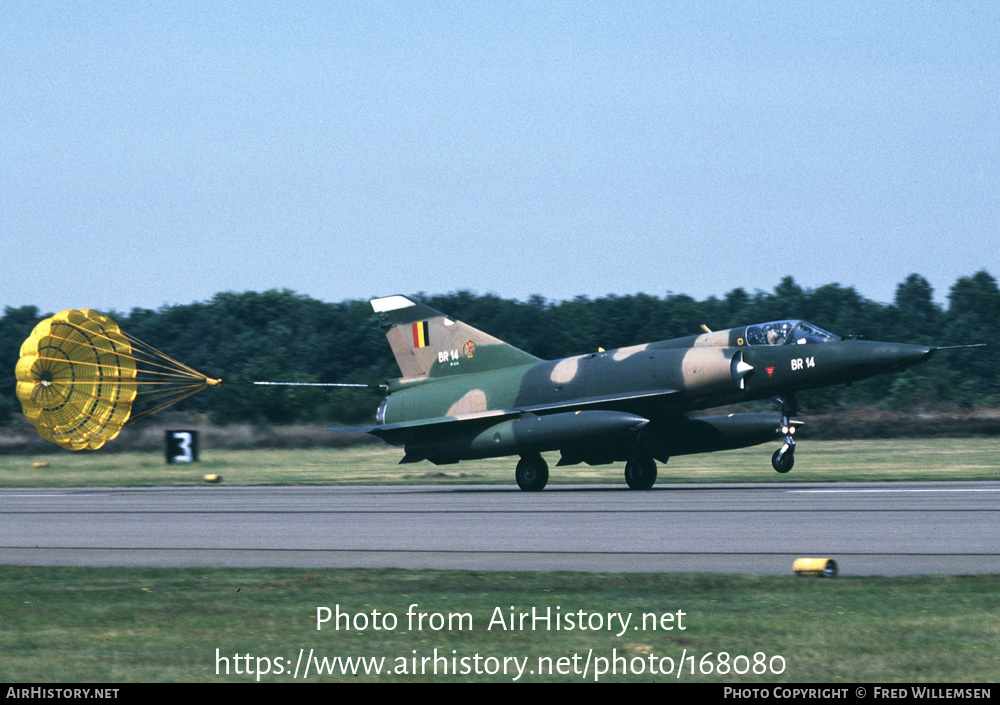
(159, 152)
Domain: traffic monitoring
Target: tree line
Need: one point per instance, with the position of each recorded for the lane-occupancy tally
(285, 336)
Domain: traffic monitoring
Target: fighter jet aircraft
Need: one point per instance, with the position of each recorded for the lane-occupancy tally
(465, 394)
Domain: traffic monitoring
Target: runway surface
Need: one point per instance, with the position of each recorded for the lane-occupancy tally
(868, 528)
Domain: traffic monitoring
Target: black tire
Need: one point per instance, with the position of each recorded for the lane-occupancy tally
(640, 474)
(783, 463)
(532, 473)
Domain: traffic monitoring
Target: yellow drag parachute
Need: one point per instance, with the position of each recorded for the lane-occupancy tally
(79, 375)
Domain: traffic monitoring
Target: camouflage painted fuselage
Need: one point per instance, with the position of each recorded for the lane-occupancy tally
(674, 379)
(465, 394)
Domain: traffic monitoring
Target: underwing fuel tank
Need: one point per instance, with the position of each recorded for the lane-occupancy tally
(528, 434)
(711, 433)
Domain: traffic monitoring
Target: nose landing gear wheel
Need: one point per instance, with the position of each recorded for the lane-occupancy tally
(783, 460)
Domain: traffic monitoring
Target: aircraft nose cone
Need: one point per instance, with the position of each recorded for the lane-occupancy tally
(903, 355)
(918, 354)
(866, 359)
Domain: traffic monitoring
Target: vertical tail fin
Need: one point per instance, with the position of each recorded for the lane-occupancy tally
(426, 343)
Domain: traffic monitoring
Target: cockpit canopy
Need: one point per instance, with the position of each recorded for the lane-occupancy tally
(787, 333)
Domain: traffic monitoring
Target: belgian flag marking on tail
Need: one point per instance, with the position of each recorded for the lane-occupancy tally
(420, 334)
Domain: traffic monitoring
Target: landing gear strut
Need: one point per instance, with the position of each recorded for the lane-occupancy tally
(532, 473)
(640, 473)
(784, 458)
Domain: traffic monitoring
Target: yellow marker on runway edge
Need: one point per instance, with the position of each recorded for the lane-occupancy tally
(816, 567)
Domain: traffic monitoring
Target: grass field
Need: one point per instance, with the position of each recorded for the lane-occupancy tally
(815, 461)
(124, 625)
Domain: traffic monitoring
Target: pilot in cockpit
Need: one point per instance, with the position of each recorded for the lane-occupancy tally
(777, 333)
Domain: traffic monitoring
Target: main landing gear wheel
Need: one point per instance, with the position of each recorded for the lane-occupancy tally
(532, 473)
(640, 473)
(783, 459)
